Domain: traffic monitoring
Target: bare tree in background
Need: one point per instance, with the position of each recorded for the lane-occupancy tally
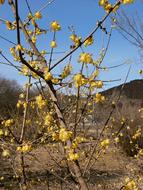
(131, 28)
(9, 94)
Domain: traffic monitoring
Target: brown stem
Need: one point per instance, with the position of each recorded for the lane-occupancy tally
(24, 180)
(25, 111)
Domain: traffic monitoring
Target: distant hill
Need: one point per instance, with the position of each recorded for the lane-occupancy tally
(131, 90)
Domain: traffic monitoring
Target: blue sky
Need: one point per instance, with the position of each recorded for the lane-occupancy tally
(83, 15)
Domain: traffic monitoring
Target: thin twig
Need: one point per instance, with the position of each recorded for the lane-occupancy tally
(10, 63)
(92, 32)
(7, 40)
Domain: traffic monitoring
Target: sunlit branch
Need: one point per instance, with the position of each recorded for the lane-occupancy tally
(9, 62)
(17, 67)
(52, 50)
(40, 10)
(46, 5)
(28, 6)
(112, 67)
(4, 38)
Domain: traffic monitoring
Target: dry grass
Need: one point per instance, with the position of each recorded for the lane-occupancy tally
(107, 173)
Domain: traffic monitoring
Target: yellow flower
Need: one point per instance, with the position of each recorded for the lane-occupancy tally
(137, 134)
(99, 84)
(22, 95)
(25, 148)
(79, 80)
(25, 104)
(73, 156)
(19, 47)
(48, 76)
(19, 148)
(130, 184)
(33, 21)
(2, 2)
(38, 15)
(141, 152)
(55, 80)
(77, 141)
(43, 52)
(34, 39)
(105, 143)
(24, 70)
(1, 132)
(93, 84)
(103, 2)
(29, 16)
(8, 123)
(9, 25)
(53, 44)
(89, 41)
(48, 119)
(108, 7)
(12, 50)
(6, 153)
(55, 26)
(85, 58)
(30, 32)
(6, 133)
(64, 135)
(99, 98)
(2, 178)
(40, 102)
(66, 71)
(55, 136)
(114, 10)
(127, 1)
(75, 39)
(38, 31)
(33, 63)
(117, 139)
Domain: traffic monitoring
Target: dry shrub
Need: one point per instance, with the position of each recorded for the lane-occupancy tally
(129, 122)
